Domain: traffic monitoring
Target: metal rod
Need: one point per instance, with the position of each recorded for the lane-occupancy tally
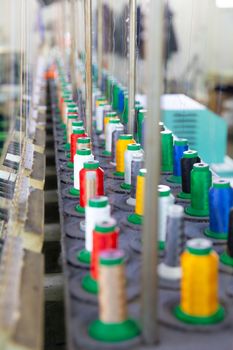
(73, 47)
(152, 140)
(132, 62)
(88, 49)
(100, 42)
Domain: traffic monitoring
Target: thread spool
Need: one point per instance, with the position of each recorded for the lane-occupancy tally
(121, 146)
(111, 127)
(79, 132)
(105, 236)
(136, 165)
(220, 202)
(175, 243)
(201, 180)
(199, 284)
(81, 156)
(113, 324)
(77, 124)
(165, 200)
(137, 217)
(107, 117)
(91, 179)
(99, 100)
(70, 108)
(227, 257)
(167, 151)
(115, 136)
(83, 142)
(180, 146)
(138, 108)
(124, 116)
(115, 96)
(70, 119)
(100, 117)
(140, 126)
(188, 159)
(132, 150)
(121, 100)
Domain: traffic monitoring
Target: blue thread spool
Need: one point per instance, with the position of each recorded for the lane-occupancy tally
(180, 146)
(121, 100)
(220, 202)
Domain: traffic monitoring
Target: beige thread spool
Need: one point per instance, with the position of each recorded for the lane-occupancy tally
(90, 185)
(112, 287)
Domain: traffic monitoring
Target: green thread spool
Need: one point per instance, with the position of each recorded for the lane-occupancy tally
(124, 116)
(141, 116)
(115, 96)
(201, 181)
(167, 151)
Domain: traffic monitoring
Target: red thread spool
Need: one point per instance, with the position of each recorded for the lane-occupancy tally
(79, 132)
(105, 236)
(91, 167)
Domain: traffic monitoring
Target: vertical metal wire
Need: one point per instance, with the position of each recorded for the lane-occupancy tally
(100, 41)
(88, 49)
(132, 62)
(152, 147)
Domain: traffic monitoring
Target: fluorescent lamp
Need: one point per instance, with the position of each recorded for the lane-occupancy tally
(224, 4)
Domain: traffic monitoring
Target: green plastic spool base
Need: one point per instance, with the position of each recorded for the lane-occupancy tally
(80, 209)
(125, 186)
(98, 132)
(161, 245)
(215, 235)
(63, 126)
(217, 317)
(106, 153)
(67, 147)
(68, 155)
(72, 177)
(226, 259)
(196, 212)
(74, 192)
(70, 165)
(65, 138)
(118, 173)
(84, 256)
(135, 219)
(184, 195)
(174, 179)
(113, 332)
(89, 284)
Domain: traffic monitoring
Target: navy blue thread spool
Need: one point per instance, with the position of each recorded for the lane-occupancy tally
(189, 158)
(180, 146)
(136, 165)
(220, 202)
(121, 100)
(227, 257)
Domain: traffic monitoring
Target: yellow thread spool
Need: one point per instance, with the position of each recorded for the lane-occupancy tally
(137, 217)
(199, 284)
(121, 146)
(107, 117)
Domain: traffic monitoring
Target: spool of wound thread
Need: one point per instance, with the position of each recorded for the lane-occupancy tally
(113, 324)
(121, 146)
(77, 124)
(201, 181)
(165, 200)
(81, 156)
(166, 151)
(83, 142)
(79, 132)
(115, 136)
(138, 107)
(188, 159)
(111, 127)
(140, 125)
(97, 207)
(136, 165)
(107, 117)
(180, 146)
(70, 119)
(137, 217)
(91, 182)
(227, 257)
(121, 100)
(220, 202)
(100, 117)
(199, 284)
(132, 150)
(175, 243)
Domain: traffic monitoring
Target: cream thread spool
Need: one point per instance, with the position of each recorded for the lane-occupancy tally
(107, 116)
(165, 200)
(81, 156)
(70, 119)
(110, 128)
(83, 142)
(113, 324)
(77, 124)
(100, 117)
(132, 150)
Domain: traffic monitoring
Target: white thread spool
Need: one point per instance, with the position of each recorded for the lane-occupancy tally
(82, 156)
(100, 117)
(165, 200)
(95, 95)
(132, 150)
(110, 128)
(97, 207)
